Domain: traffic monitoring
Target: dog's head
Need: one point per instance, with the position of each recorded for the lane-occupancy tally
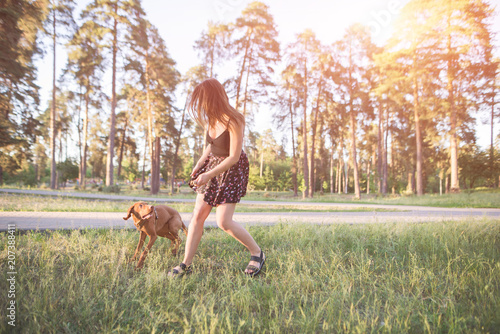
(140, 210)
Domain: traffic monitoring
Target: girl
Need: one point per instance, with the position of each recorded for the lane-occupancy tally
(221, 175)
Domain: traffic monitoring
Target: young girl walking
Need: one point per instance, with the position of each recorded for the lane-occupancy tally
(220, 177)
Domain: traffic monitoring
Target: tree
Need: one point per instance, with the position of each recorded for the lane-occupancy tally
(193, 77)
(258, 49)
(157, 74)
(60, 15)
(20, 23)
(85, 63)
(301, 54)
(287, 101)
(491, 105)
(355, 56)
(409, 60)
(464, 41)
(212, 46)
(320, 71)
(109, 16)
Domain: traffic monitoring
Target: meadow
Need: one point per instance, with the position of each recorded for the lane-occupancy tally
(36, 203)
(387, 278)
(477, 198)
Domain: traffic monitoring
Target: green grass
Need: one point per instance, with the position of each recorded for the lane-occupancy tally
(475, 199)
(479, 198)
(37, 203)
(397, 278)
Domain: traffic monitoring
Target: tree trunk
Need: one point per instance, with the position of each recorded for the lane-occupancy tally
(313, 143)
(492, 147)
(346, 177)
(341, 163)
(380, 138)
(177, 145)
(112, 130)
(410, 186)
(246, 91)
(294, 155)
(332, 182)
(368, 172)
(385, 170)
(357, 192)
(53, 166)
(155, 167)
(418, 137)
(304, 132)
(212, 56)
(85, 146)
(454, 186)
(261, 162)
(242, 71)
(122, 146)
(143, 179)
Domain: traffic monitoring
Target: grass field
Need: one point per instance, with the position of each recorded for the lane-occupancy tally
(35, 203)
(397, 278)
(484, 198)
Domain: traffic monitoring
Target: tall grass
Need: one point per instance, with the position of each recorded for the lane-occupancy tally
(481, 198)
(465, 199)
(432, 277)
(37, 203)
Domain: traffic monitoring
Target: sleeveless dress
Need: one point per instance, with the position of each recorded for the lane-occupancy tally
(231, 185)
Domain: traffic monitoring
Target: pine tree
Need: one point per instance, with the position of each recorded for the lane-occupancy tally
(286, 102)
(20, 23)
(464, 39)
(60, 15)
(85, 62)
(355, 56)
(256, 47)
(409, 60)
(301, 55)
(212, 46)
(158, 76)
(111, 17)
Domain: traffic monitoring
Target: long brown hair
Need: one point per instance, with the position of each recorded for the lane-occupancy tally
(209, 104)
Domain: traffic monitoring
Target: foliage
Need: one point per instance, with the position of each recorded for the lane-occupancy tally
(402, 113)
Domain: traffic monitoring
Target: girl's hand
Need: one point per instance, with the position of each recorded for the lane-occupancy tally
(195, 169)
(202, 179)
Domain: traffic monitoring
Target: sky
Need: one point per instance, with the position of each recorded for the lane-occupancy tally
(180, 23)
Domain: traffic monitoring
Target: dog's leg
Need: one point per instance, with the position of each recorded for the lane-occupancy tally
(176, 242)
(139, 246)
(152, 239)
(173, 243)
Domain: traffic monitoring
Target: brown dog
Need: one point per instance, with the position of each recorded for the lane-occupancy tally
(155, 221)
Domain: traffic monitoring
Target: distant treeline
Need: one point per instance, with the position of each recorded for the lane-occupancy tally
(358, 117)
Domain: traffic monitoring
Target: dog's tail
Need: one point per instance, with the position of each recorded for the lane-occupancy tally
(184, 228)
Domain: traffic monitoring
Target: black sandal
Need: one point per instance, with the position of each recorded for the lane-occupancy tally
(256, 270)
(183, 270)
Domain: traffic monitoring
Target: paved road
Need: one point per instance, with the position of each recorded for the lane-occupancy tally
(72, 220)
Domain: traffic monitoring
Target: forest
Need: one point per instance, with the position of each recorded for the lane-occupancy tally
(355, 117)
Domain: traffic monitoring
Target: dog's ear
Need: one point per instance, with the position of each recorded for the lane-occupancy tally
(129, 213)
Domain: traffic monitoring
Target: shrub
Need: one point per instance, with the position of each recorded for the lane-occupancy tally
(110, 189)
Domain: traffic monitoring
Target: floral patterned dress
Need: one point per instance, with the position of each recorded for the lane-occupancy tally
(231, 185)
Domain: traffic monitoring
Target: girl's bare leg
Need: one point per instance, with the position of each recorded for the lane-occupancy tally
(224, 217)
(195, 228)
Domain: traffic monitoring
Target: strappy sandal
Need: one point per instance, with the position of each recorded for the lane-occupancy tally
(183, 270)
(256, 270)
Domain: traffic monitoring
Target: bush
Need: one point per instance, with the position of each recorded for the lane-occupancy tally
(109, 189)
